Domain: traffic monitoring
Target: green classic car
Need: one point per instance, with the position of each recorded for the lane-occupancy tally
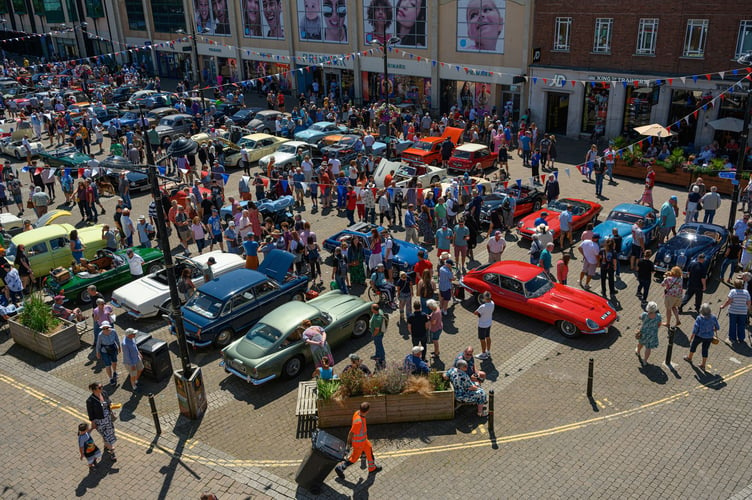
(107, 271)
(273, 347)
(65, 157)
(48, 247)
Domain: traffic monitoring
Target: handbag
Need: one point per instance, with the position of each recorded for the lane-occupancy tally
(715, 340)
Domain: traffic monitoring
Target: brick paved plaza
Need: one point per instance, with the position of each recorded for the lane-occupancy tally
(648, 432)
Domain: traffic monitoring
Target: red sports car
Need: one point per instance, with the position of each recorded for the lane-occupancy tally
(582, 211)
(526, 289)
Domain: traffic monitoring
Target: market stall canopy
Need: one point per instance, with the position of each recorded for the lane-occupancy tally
(728, 124)
(654, 130)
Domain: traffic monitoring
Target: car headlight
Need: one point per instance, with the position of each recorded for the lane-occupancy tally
(591, 324)
(133, 184)
(519, 224)
(667, 258)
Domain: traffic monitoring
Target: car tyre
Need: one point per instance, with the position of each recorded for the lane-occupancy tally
(568, 329)
(298, 297)
(360, 327)
(153, 268)
(435, 179)
(292, 367)
(84, 297)
(223, 338)
(18, 155)
(536, 205)
(267, 131)
(478, 298)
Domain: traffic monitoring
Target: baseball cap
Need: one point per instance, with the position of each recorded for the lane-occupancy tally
(417, 349)
(354, 357)
(59, 297)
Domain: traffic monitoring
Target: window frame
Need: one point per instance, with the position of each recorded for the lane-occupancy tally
(567, 44)
(134, 11)
(642, 34)
(699, 52)
(744, 23)
(603, 46)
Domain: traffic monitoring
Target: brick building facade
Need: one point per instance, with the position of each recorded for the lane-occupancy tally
(610, 45)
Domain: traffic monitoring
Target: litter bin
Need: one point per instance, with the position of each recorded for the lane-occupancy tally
(325, 453)
(156, 358)
(142, 337)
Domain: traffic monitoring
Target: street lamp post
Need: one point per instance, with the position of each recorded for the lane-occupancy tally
(385, 44)
(194, 46)
(745, 60)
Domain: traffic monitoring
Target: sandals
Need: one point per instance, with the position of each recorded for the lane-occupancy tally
(701, 367)
(688, 359)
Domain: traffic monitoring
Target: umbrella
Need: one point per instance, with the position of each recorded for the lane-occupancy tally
(729, 124)
(116, 163)
(181, 147)
(654, 129)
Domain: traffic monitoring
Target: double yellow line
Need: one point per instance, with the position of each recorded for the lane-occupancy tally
(77, 415)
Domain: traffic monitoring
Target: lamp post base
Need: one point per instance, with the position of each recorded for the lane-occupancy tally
(191, 393)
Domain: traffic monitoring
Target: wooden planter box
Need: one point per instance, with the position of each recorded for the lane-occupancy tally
(53, 346)
(388, 409)
(675, 178)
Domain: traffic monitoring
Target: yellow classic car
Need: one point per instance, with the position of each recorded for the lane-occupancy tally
(48, 247)
(260, 145)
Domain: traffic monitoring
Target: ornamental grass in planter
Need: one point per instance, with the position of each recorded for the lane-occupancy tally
(37, 329)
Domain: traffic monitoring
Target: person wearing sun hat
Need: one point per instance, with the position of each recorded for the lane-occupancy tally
(545, 236)
(107, 349)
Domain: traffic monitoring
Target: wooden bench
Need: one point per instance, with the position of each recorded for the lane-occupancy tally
(305, 408)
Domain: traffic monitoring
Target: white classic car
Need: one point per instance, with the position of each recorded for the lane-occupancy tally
(143, 297)
(286, 155)
(16, 149)
(426, 174)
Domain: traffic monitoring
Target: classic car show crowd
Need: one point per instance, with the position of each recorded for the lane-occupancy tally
(254, 271)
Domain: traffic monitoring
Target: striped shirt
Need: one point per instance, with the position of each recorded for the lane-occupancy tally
(739, 299)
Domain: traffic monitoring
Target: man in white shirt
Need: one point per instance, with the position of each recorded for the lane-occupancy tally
(565, 226)
(307, 167)
(485, 318)
(589, 250)
(335, 165)
(135, 263)
(496, 246)
(244, 161)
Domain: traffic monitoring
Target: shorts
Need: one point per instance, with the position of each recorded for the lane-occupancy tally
(435, 335)
(108, 359)
(17, 199)
(388, 264)
(133, 370)
(446, 294)
(672, 301)
(588, 268)
(460, 251)
(216, 238)
(441, 251)
(484, 332)
(636, 251)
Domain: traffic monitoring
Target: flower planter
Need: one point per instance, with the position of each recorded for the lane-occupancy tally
(54, 346)
(389, 408)
(676, 178)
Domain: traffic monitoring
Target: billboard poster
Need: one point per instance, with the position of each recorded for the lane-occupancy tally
(403, 19)
(480, 26)
(263, 19)
(323, 20)
(212, 17)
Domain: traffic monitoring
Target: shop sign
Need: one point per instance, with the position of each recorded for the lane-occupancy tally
(215, 49)
(557, 81)
(609, 78)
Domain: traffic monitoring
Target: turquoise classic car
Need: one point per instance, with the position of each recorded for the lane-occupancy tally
(273, 347)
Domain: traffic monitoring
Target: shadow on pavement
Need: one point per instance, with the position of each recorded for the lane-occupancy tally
(105, 467)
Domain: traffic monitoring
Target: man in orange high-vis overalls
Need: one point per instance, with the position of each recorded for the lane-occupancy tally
(357, 439)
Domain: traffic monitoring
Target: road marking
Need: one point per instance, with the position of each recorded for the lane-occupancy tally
(734, 360)
(78, 416)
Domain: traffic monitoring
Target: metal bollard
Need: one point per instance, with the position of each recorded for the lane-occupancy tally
(670, 348)
(491, 411)
(590, 378)
(154, 413)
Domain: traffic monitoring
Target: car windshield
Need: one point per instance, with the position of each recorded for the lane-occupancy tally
(425, 146)
(538, 285)
(263, 335)
(129, 116)
(205, 305)
(247, 143)
(462, 155)
(318, 127)
(11, 251)
(167, 122)
(288, 148)
(687, 239)
(624, 217)
(407, 171)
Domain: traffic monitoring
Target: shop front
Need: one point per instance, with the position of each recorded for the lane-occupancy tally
(408, 84)
(276, 76)
(595, 110)
(172, 64)
(638, 106)
(484, 97)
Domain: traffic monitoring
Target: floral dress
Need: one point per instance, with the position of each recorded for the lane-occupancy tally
(462, 387)
(426, 228)
(649, 330)
(673, 287)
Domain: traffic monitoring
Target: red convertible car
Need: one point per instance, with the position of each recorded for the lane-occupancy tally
(583, 211)
(526, 289)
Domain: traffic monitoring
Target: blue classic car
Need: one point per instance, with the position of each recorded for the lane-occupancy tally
(622, 217)
(278, 210)
(405, 254)
(319, 130)
(233, 302)
(692, 239)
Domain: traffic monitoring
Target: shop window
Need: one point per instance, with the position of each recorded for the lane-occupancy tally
(136, 18)
(744, 41)
(562, 33)
(168, 15)
(602, 41)
(638, 106)
(647, 34)
(695, 38)
(595, 110)
(53, 11)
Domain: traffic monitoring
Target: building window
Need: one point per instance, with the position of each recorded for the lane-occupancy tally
(136, 18)
(94, 9)
(53, 11)
(168, 15)
(562, 33)
(602, 41)
(744, 43)
(694, 40)
(647, 34)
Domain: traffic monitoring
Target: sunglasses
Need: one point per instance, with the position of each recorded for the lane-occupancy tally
(328, 11)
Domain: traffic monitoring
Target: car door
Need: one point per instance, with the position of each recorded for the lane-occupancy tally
(40, 258)
(243, 306)
(511, 294)
(60, 251)
(268, 297)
